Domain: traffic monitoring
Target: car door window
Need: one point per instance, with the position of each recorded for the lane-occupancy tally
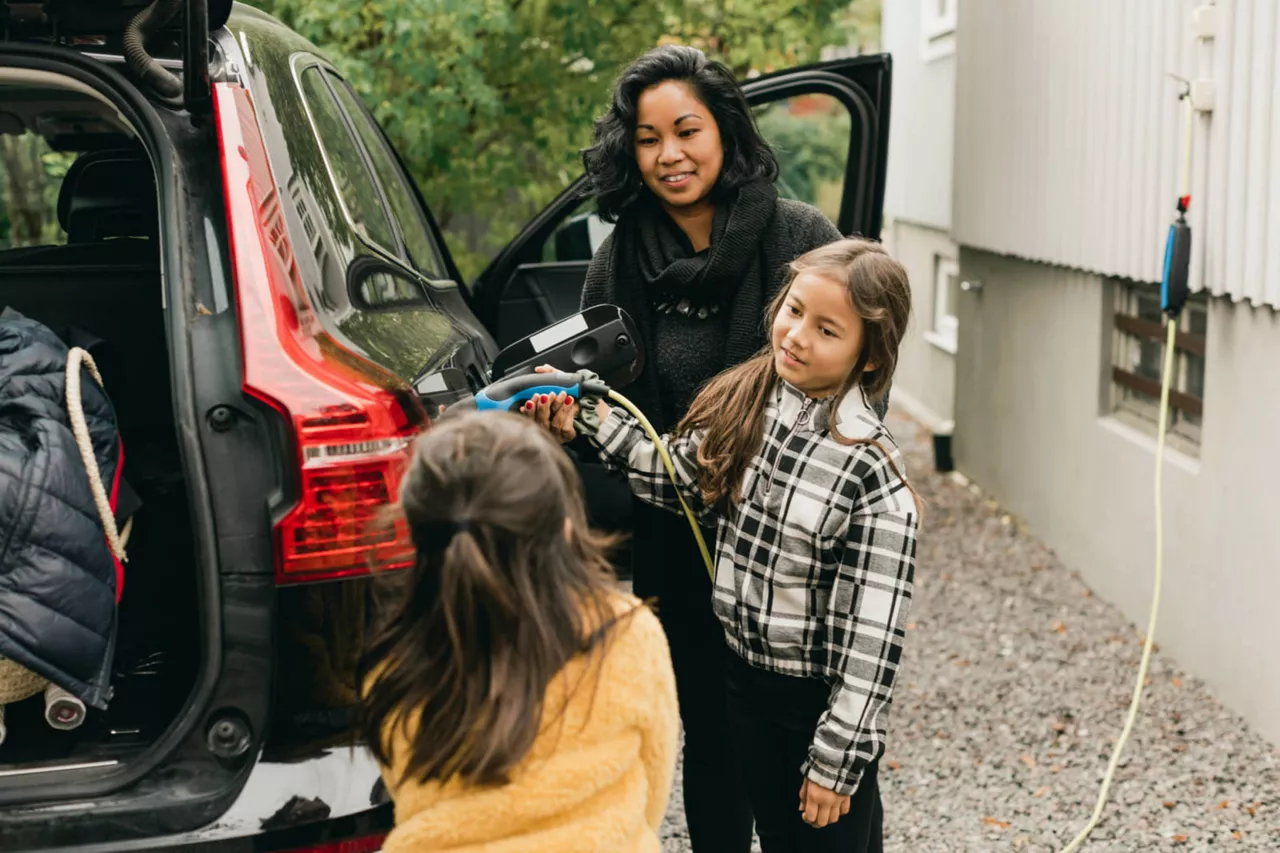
(810, 133)
(578, 237)
(424, 253)
(361, 199)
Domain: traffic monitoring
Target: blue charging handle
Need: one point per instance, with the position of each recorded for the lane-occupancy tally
(506, 394)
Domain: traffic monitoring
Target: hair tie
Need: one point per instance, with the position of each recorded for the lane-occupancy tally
(437, 535)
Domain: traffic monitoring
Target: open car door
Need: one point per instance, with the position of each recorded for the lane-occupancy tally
(829, 124)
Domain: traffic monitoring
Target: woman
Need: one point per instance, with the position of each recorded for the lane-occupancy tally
(699, 251)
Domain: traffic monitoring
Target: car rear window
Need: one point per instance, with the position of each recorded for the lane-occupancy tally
(423, 252)
(355, 184)
(31, 173)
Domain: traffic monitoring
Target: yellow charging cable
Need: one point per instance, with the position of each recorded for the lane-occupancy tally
(1155, 599)
(1161, 434)
(671, 472)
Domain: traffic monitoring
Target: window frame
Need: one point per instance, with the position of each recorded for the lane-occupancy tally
(937, 29)
(944, 332)
(1134, 399)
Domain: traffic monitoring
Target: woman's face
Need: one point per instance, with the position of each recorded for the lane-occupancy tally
(677, 144)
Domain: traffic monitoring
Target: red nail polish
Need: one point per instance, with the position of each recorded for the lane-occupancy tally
(545, 398)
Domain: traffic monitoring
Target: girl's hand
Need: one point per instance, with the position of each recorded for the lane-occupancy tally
(821, 806)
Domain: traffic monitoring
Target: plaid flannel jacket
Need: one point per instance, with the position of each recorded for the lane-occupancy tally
(813, 567)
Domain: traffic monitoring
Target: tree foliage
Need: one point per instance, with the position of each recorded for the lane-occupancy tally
(490, 101)
(30, 175)
(811, 136)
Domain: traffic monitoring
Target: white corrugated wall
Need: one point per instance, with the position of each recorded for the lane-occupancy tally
(1069, 137)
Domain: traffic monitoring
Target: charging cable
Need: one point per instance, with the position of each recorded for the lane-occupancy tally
(671, 472)
(1155, 599)
(1173, 294)
(507, 394)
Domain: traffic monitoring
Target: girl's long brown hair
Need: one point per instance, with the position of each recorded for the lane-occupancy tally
(500, 598)
(731, 408)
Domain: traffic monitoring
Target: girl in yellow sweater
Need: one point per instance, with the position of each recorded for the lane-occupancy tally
(517, 700)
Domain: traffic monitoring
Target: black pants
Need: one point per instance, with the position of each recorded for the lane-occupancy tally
(668, 567)
(772, 718)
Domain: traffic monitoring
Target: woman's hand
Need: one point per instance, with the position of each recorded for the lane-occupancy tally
(553, 413)
(821, 807)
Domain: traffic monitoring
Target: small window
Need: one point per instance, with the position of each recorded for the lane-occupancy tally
(424, 254)
(351, 176)
(1139, 334)
(810, 134)
(938, 28)
(946, 293)
(32, 174)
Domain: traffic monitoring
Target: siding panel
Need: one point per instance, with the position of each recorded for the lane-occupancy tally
(1069, 137)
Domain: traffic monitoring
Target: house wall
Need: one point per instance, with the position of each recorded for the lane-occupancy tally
(924, 384)
(918, 200)
(1069, 137)
(1031, 428)
(921, 122)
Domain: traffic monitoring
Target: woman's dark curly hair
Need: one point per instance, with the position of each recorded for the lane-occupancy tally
(612, 174)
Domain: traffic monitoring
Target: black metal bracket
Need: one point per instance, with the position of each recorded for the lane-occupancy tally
(197, 90)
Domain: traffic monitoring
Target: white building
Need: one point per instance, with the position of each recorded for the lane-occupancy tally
(921, 36)
(1038, 146)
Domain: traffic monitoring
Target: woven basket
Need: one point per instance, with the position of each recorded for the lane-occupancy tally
(17, 682)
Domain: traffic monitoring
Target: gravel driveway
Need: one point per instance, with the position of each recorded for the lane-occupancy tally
(1015, 683)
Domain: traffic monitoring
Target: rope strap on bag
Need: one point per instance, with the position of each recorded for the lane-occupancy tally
(116, 539)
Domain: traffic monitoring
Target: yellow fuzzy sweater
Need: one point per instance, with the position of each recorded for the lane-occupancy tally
(596, 782)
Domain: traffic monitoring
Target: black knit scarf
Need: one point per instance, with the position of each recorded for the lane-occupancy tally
(657, 255)
(654, 264)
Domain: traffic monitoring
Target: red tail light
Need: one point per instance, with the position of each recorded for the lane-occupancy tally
(352, 422)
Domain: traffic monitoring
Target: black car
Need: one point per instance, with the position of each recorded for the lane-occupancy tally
(275, 313)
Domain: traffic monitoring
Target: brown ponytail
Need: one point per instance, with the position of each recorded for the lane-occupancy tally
(501, 597)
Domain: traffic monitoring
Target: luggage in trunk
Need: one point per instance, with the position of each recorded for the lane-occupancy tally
(105, 287)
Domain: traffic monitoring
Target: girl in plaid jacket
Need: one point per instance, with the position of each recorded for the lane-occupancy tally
(815, 544)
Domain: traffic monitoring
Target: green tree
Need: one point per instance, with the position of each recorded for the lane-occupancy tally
(812, 146)
(31, 175)
(490, 101)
